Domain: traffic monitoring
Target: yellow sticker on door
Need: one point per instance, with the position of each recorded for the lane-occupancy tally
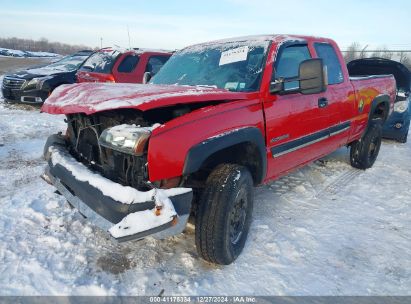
(361, 105)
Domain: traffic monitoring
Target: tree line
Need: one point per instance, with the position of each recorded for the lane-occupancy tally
(41, 45)
(357, 51)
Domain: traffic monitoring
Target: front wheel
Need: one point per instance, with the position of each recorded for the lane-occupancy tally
(364, 152)
(224, 214)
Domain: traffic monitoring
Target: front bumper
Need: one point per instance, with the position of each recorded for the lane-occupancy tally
(397, 125)
(102, 209)
(28, 97)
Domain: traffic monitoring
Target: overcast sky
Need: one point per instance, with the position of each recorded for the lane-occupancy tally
(175, 24)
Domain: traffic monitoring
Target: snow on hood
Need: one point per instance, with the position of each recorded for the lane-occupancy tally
(37, 72)
(95, 97)
(45, 71)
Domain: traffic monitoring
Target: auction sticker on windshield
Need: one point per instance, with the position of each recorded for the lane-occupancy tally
(234, 55)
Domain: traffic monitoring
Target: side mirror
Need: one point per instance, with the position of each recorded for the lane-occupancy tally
(146, 77)
(312, 76)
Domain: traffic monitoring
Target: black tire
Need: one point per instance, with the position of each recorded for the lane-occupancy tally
(224, 214)
(364, 152)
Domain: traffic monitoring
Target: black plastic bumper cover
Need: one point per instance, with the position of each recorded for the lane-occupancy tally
(104, 206)
(15, 95)
(389, 129)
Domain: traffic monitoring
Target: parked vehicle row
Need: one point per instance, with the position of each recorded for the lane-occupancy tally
(216, 120)
(34, 85)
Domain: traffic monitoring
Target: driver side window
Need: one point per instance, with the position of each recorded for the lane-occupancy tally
(288, 64)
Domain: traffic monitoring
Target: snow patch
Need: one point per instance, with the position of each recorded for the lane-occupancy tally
(123, 194)
(141, 221)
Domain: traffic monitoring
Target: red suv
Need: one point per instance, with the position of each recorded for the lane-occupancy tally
(116, 65)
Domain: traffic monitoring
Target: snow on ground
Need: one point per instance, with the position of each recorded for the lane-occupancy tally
(326, 229)
(1, 82)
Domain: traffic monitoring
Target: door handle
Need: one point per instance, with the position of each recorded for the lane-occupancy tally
(322, 102)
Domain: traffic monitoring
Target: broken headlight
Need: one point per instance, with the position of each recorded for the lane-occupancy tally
(130, 139)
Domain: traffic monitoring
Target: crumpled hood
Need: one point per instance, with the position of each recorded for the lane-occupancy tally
(90, 98)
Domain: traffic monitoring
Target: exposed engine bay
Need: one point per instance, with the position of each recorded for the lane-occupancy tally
(84, 131)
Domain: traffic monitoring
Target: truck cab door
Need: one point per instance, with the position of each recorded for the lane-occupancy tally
(340, 96)
(296, 124)
(155, 63)
(126, 67)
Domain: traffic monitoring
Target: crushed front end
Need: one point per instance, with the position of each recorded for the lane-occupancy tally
(100, 166)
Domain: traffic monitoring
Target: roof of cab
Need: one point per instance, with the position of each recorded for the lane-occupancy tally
(135, 50)
(277, 38)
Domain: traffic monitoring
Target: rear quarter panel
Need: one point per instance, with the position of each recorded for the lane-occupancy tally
(366, 89)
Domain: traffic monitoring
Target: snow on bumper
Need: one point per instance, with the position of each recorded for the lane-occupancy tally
(123, 211)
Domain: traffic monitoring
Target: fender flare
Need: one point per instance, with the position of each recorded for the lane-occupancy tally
(199, 153)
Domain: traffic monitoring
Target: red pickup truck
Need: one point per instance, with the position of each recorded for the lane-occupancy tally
(122, 65)
(218, 119)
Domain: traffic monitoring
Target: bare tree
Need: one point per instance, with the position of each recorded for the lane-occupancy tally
(383, 52)
(40, 45)
(403, 58)
(352, 52)
(377, 53)
(363, 54)
(355, 51)
(406, 61)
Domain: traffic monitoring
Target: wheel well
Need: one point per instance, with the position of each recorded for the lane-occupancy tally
(246, 154)
(380, 111)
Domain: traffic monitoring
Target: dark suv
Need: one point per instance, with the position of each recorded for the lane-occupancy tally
(34, 85)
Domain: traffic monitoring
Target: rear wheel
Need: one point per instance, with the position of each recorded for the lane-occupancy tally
(224, 214)
(364, 152)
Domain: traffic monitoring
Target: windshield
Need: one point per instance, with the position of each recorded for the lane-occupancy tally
(100, 62)
(67, 64)
(235, 66)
